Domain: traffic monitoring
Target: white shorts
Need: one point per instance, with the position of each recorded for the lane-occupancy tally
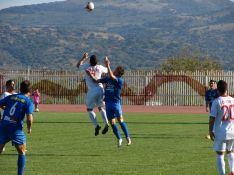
(94, 98)
(224, 145)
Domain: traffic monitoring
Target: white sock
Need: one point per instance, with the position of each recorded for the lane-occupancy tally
(221, 164)
(230, 158)
(93, 118)
(104, 117)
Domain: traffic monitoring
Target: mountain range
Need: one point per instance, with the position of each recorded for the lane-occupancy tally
(135, 34)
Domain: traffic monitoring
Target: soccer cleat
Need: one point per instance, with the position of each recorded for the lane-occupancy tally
(208, 137)
(97, 129)
(3, 149)
(105, 130)
(129, 142)
(119, 142)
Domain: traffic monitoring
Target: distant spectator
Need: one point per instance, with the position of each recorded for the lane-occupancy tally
(36, 99)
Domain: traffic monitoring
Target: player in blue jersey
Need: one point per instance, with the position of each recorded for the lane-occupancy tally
(210, 95)
(11, 125)
(114, 83)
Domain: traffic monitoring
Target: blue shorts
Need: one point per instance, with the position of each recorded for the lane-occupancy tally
(17, 137)
(113, 110)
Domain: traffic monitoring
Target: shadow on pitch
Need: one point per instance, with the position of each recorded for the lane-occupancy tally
(169, 123)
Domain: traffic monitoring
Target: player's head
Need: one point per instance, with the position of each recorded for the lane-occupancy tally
(119, 71)
(212, 83)
(222, 87)
(10, 85)
(25, 87)
(93, 60)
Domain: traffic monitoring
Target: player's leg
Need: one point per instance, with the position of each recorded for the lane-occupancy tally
(118, 113)
(124, 129)
(220, 148)
(230, 155)
(100, 103)
(104, 119)
(21, 158)
(2, 148)
(19, 140)
(90, 104)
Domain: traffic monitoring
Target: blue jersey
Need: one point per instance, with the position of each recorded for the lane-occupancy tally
(210, 95)
(112, 89)
(16, 107)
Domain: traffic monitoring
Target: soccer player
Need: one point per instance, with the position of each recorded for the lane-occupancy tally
(114, 83)
(95, 94)
(210, 95)
(221, 128)
(11, 125)
(10, 89)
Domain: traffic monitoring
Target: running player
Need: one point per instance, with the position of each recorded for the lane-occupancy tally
(221, 128)
(95, 94)
(11, 125)
(210, 95)
(114, 83)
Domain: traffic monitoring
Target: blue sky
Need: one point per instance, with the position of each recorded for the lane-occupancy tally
(10, 3)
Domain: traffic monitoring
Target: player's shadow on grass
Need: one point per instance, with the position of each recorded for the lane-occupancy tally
(169, 123)
(160, 136)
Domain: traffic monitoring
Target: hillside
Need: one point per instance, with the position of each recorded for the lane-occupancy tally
(137, 34)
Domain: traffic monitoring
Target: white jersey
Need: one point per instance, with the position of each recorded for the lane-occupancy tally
(223, 111)
(96, 71)
(5, 94)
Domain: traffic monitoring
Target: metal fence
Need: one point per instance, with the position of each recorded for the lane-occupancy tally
(150, 88)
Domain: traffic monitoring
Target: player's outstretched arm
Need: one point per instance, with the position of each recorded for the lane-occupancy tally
(29, 123)
(107, 62)
(83, 59)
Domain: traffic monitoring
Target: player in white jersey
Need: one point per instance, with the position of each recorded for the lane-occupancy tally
(10, 90)
(95, 94)
(221, 128)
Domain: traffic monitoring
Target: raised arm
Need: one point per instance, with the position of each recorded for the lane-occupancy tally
(107, 62)
(83, 59)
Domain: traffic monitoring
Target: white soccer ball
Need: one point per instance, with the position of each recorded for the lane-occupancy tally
(90, 6)
(36, 110)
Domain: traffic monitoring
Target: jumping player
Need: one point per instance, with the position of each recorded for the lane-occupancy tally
(95, 94)
(114, 83)
(11, 125)
(221, 128)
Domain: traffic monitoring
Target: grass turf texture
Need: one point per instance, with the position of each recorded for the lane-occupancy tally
(162, 144)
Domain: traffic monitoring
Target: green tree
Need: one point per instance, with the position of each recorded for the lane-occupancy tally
(190, 62)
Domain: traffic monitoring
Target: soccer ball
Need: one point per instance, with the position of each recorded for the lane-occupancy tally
(36, 110)
(90, 6)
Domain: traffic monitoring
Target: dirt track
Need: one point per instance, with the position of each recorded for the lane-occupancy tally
(127, 108)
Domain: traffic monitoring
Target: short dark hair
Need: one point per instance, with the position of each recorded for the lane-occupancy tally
(9, 82)
(222, 86)
(25, 86)
(120, 70)
(93, 60)
(212, 81)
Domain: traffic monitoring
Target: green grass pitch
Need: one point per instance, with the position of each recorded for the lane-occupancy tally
(162, 144)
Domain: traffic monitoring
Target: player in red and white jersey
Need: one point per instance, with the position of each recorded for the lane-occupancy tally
(95, 94)
(221, 128)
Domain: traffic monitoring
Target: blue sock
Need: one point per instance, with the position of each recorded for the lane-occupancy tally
(116, 131)
(124, 128)
(21, 163)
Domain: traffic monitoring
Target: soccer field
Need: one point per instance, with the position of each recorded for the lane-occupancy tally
(162, 144)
